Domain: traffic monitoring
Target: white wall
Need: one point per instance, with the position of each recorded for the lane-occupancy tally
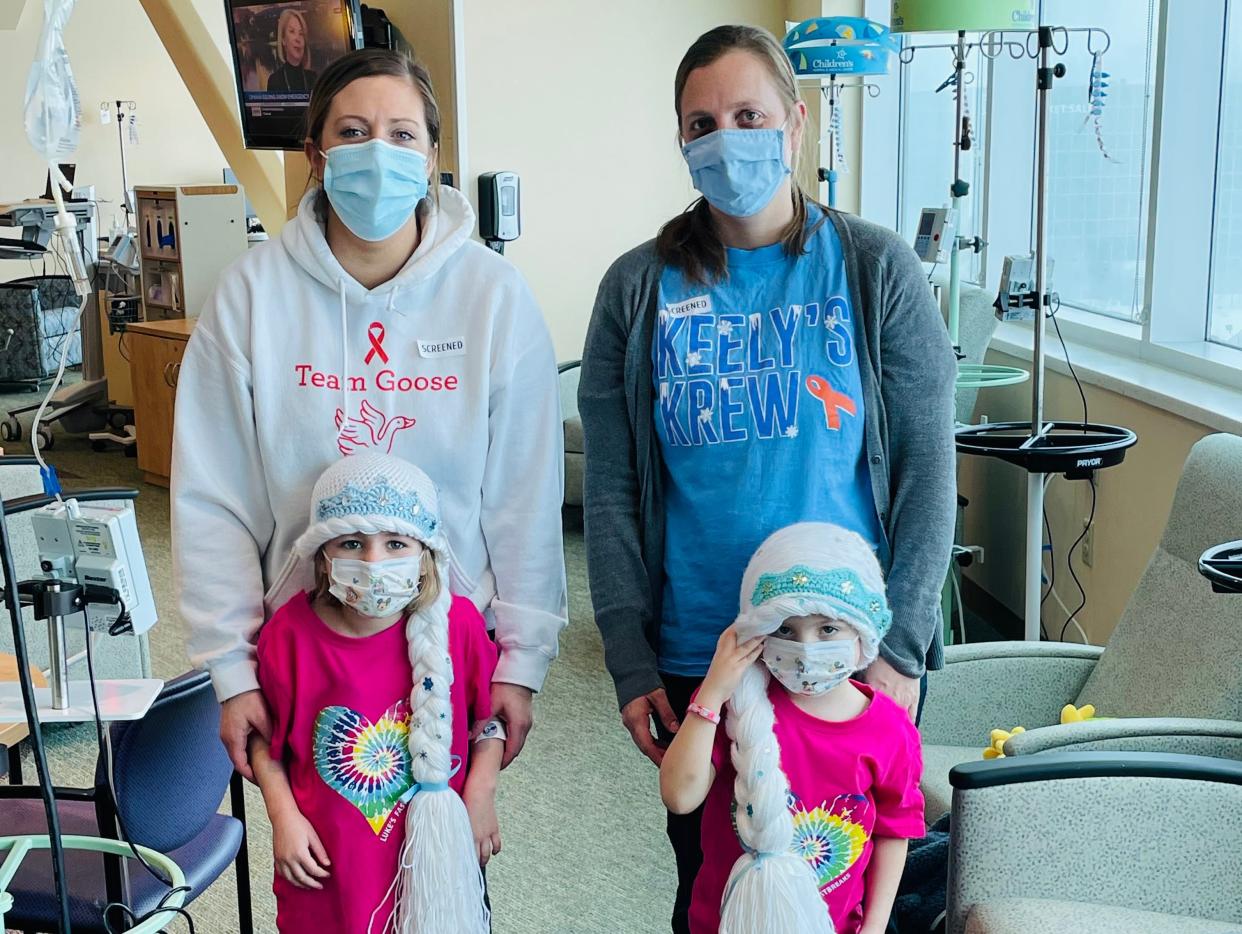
(115, 54)
(580, 104)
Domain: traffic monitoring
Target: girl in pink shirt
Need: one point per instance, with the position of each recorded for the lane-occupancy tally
(382, 809)
(810, 798)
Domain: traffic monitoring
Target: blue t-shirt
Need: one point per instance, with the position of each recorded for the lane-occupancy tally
(759, 411)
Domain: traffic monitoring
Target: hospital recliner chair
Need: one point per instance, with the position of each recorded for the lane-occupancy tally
(35, 315)
(1096, 843)
(1171, 671)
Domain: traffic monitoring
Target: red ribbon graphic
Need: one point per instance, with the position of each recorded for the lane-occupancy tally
(375, 334)
(834, 402)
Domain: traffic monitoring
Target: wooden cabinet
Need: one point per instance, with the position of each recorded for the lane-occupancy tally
(155, 352)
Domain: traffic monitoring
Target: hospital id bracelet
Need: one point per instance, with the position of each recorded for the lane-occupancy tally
(709, 715)
(495, 729)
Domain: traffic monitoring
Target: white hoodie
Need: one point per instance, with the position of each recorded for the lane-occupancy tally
(294, 363)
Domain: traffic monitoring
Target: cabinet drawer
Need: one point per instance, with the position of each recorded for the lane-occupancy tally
(155, 363)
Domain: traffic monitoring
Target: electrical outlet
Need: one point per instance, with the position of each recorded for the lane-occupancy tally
(1087, 549)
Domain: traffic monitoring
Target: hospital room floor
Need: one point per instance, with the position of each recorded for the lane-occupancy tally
(581, 821)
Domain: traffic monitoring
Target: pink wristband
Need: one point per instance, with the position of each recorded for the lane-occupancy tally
(709, 715)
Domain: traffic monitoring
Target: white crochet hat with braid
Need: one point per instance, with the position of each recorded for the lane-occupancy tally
(371, 493)
(816, 569)
(439, 886)
(808, 569)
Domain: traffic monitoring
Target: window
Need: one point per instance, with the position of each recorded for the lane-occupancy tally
(1144, 210)
(928, 114)
(1098, 167)
(1225, 315)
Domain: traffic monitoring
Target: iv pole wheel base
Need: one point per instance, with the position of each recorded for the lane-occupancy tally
(1222, 566)
(1072, 448)
(10, 430)
(988, 376)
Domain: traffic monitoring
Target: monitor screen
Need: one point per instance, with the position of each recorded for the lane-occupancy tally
(927, 222)
(279, 48)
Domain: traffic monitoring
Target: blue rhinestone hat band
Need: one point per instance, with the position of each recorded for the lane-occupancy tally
(842, 586)
(379, 499)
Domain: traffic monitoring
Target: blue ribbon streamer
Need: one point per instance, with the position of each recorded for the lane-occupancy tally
(416, 787)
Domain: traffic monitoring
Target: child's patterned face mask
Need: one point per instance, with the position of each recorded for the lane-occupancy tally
(375, 588)
(810, 668)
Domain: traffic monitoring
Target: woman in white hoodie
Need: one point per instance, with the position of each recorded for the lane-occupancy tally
(373, 323)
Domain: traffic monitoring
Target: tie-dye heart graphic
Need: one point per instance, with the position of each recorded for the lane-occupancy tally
(831, 837)
(367, 764)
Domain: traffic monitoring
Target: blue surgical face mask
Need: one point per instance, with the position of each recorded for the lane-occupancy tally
(738, 171)
(375, 186)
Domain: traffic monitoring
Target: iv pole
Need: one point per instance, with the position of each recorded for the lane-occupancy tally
(831, 175)
(1035, 481)
(122, 107)
(1077, 449)
(832, 93)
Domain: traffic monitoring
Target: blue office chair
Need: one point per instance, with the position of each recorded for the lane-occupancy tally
(170, 772)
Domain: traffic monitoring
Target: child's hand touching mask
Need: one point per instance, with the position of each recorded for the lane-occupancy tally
(730, 662)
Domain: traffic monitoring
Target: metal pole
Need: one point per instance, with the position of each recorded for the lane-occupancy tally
(1034, 556)
(58, 656)
(1043, 89)
(832, 141)
(13, 602)
(955, 193)
(120, 138)
(1035, 481)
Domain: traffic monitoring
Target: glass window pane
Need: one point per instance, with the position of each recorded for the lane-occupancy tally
(1225, 314)
(1098, 166)
(928, 131)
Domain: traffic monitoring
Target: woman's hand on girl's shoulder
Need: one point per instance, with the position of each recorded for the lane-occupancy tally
(730, 662)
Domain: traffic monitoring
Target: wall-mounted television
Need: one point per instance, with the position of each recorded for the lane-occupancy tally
(279, 48)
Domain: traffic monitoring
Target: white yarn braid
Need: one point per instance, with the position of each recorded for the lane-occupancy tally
(439, 886)
(771, 889)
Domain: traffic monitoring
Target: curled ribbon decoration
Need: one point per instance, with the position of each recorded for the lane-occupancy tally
(834, 402)
(375, 334)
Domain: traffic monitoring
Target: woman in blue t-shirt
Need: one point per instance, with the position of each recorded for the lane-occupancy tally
(764, 361)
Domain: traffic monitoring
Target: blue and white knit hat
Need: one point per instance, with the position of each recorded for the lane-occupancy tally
(372, 493)
(815, 569)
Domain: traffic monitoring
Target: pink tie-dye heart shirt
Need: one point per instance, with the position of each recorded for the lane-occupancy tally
(340, 714)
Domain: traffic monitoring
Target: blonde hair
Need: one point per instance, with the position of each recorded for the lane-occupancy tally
(690, 241)
(286, 17)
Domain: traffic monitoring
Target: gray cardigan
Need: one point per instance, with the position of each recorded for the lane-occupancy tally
(908, 369)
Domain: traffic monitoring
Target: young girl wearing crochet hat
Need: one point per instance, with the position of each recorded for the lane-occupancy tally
(382, 809)
(811, 787)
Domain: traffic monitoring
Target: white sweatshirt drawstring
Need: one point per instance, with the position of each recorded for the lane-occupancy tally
(344, 364)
